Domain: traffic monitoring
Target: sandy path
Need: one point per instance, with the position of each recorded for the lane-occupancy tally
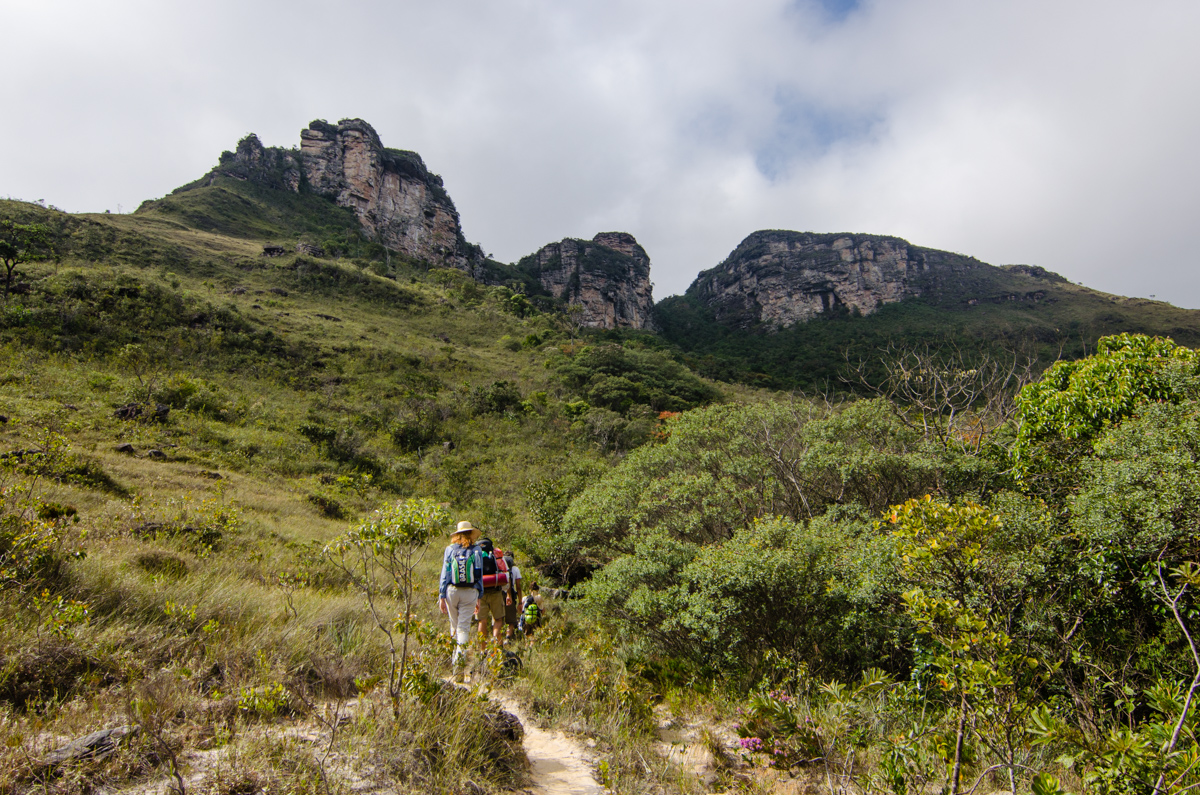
(559, 764)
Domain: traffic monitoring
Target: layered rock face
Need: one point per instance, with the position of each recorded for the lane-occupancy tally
(396, 198)
(608, 277)
(782, 278)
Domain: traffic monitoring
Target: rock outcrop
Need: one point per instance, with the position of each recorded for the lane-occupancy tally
(781, 278)
(608, 278)
(397, 200)
(272, 167)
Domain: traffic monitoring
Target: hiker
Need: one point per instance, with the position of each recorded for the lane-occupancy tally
(460, 588)
(531, 613)
(494, 582)
(512, 604)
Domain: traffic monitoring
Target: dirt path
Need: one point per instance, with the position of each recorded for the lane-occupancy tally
(559, 764)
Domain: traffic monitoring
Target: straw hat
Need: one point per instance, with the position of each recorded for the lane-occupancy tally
(467, 527)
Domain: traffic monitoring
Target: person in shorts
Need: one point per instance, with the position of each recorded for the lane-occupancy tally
(512, 604)
(490, 607)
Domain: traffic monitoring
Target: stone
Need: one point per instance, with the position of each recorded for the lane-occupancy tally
(397, 200)
(608, 278)
(273, 251)
(238, 291)
(310, 250)
(506, 725)
(155, 454)
(780, 278)
(97, 745)
(125, 447)
(279, 291)
(130, 411)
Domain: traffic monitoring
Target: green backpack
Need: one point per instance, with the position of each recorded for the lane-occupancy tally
(530, 612)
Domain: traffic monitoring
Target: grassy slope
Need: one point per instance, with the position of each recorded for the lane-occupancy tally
(1065, 320)
(272, 345)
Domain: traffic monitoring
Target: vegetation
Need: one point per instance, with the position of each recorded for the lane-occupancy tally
(992, 311)
(225, 479)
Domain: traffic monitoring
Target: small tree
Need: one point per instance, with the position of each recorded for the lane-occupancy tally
(20, 243)
(976, 662)
(379, 556)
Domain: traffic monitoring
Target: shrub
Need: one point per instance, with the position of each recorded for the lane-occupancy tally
(328, 507)
(500, 397)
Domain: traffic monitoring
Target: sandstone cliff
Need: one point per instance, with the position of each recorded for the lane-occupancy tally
(397, 200)
(608, 278)
(781, 278)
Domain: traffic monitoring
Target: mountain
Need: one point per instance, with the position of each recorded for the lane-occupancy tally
(780, 278)
(608, 277)
(785, 309)
(343, 192)
(788, 309)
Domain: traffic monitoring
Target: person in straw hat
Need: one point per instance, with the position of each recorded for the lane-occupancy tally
(460, 588)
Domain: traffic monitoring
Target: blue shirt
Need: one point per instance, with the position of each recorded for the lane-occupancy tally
(477, 565)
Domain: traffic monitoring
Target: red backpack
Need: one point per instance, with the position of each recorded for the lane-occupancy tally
(495, 569)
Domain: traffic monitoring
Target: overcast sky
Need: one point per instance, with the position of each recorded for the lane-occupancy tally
(1061, 134)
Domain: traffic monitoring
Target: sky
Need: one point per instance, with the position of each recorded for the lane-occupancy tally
(1059, 133)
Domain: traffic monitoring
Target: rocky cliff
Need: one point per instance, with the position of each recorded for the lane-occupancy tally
(781, 278)
(607, 277)
(397, 200)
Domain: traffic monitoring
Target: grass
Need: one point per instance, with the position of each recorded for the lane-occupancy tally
(183, 589)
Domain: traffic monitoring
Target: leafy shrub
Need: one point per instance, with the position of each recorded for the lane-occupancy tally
(264, 702)
(328, 507)
(498, 398)
(195, 395)
(617, 378)
(1060, 415)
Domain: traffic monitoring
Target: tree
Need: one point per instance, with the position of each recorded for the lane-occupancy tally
(379, 556)
(20, 243)
(1061, 416)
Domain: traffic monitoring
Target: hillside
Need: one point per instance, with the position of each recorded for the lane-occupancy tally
(788, 309)
(237, 426)
(192, 409)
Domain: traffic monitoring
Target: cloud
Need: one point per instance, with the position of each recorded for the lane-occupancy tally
(1055, 134)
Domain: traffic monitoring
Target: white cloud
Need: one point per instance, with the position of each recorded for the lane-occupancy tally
(1060, 134)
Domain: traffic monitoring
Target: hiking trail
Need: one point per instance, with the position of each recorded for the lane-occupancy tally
(558, 763)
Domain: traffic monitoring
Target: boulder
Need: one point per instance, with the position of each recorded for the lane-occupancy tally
(125, 447)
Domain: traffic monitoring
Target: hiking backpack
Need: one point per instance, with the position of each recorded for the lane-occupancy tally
(462, 565)
(530, 613)
(495, 569)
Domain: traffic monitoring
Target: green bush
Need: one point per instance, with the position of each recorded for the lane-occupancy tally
(617, 378)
